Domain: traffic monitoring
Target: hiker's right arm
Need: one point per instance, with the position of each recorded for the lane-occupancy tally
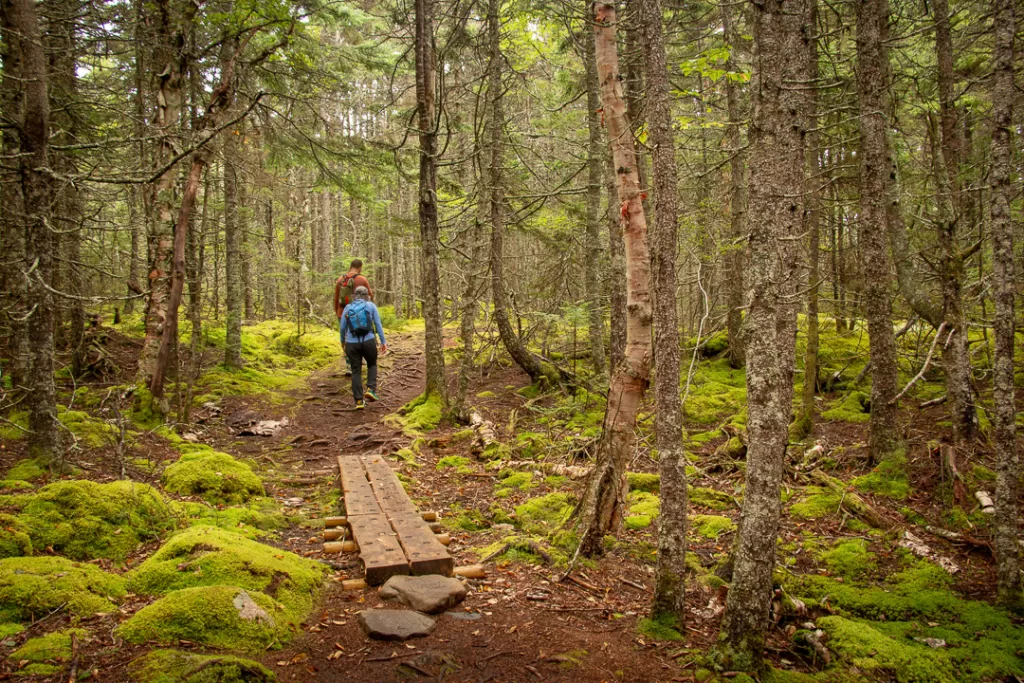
(344, 324)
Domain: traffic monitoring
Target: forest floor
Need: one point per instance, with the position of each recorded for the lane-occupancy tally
(849, 576)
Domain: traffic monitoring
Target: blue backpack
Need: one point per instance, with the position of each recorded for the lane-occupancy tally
(358, 313)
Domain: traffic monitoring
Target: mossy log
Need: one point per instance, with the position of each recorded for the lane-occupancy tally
(853, 503)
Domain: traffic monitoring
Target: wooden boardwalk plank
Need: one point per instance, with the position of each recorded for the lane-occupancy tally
(425, 553)
(379, 549)
(359, 496)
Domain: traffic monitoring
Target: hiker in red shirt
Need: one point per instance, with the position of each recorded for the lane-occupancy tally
(344, 289)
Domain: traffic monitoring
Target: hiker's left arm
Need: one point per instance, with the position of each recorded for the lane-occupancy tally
(337, 288)
(344, 324)
(377, 324)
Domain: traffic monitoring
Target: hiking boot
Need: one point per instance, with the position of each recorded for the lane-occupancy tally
(360, 405)
(371, 394)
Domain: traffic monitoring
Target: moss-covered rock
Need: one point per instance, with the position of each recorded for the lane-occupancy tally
(88, 430)
(14, 540)
(544, 514)
(710, 498)
(35, 586)
(888, 478)
(816, 502)
(85, 520)
(207, 556)
(175, 666)
(254, 519)
(459, 463)
(213, 476)
(225, 617)
(27, 470)
(45, 655)
(422, 414)
(712, 526)
(643, 481)
(522, 481)
(854, 407)
(849, 558)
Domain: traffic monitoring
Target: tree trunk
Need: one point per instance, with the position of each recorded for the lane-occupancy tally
(595, 173)
(872, 86)
(812, 221)
(602, 508)
(168, 72)
(670, 588)
(616, 270)
(138, 201)
(431, 278)
(15, 288)
(775, 209)
(232, 252)
(735, 256)
(509, 338)
(1008, 486)
(61, 50)
(37, 201)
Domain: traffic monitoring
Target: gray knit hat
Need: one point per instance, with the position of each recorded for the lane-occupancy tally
(361, 292)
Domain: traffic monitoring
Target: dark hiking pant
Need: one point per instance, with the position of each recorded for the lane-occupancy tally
(357, 352)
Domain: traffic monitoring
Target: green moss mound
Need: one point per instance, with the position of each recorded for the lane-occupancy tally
(174, 666)
(207, 556)
(85, 520)
(511, 481)
(208, 616)
(14, 540)
(457, 462)
(712, 526)
(256, 518)
(35, 586)
(46, 654)
(660, 628)
(27, 470)
(849, 559)
(816, 503)
(888, 478)
(643, 481)
(710, 498)
(88, 430)
(544, 514)
(213, 476)
(422, 414)
(854, 407)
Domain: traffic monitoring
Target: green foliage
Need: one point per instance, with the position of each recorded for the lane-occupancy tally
(854, 407)
(207, 556)
(849, 558)
(32, 587)
(208, 616)
(888, 478)
(213, 476)
(175, 666)
(544, 514)
(643, 481)
(85, 520)
(88, 430)
(46, 653)
(662, 627)
(14, 539)
(712, 526)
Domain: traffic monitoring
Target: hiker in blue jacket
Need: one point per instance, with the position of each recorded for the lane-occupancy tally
(359, 321)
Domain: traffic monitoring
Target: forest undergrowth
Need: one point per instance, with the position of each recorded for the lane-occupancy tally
(153, 550)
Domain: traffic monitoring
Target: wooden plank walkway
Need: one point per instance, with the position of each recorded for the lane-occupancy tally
(389, 530)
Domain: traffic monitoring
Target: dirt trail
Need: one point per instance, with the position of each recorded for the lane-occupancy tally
(518, 624)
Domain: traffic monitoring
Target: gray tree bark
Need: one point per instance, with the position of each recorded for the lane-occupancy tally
(232, 252)
(431, 278)
(736, 256)
(777, 181)
(670, 586)
(875, 165)
(595, 175)
(1008, 484)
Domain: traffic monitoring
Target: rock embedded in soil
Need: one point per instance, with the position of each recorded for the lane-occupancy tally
(403, 624)
(430, 594)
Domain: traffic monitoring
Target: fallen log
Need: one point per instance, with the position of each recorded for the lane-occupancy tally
(331, 522)
(571, 471)
(484, 435)
(471, 571)
(354, 584)
(853, 503)
(334, 534)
